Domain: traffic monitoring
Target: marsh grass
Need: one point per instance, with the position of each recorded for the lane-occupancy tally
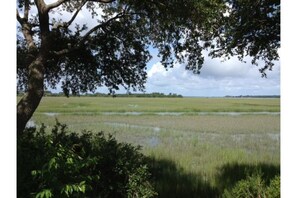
(189, 153)
(104, 104)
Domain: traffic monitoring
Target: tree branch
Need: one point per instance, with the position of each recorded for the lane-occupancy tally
(85, 37)
(62, 52)
(75, 14)
(26, 11)
(59, 2)
(55, 4)
(118, 16)
(19, 18)
(66, 25)
(102, 1)
(27, 32)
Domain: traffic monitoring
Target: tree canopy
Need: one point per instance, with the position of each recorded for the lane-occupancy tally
(250, 28)
(53, 48)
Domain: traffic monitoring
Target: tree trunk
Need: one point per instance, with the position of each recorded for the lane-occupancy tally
(30, 101)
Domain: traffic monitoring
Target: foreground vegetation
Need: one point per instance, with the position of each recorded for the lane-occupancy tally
(191, 154)
(64, 164)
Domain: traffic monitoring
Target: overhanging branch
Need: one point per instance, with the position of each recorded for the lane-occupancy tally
(59, 2)
(94, 29)
(26, 11)
(19, 18)
(85, 37)
(75, 14)
(62, 52)
(67, 24)
(118, 16)
(102, 1)
(102, 25)
(55, 4)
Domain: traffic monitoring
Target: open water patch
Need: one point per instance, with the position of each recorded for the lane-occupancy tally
(190, 113)
(238, 113)
(118, 124)
(51, 114)
(30, 124)
(132, 106)
(138, 113)
(274, 136)
(123, 113)
(153, 141)
(170, 113)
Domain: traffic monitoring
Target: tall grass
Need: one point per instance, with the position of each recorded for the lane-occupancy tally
(102, 104)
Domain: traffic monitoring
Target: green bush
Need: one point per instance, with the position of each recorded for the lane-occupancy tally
(254, 187)
(273, 190)
(65, 164)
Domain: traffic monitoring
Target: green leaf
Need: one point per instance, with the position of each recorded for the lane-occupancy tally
(53, 163)
(45, 193)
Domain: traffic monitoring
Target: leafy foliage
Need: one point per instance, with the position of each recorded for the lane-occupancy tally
(254, 186)
(114, 51)
(64, 164)
(250, 28)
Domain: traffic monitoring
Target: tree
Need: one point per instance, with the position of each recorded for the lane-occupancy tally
(250, 28)
(114, 51)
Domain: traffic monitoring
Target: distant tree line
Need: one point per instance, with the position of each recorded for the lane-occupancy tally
(254, 96)
(136, 95)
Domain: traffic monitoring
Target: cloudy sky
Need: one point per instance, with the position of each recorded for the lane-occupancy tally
(217, 78)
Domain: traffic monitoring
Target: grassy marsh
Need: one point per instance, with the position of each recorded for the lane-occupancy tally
(191, 148)
(108, 104)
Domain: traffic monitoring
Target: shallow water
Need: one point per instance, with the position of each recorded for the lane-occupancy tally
(137, 113)
(30, 123)
(51, 114)
(153, 141)
(123, 113)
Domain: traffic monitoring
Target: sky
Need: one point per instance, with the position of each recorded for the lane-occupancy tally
(217, 78)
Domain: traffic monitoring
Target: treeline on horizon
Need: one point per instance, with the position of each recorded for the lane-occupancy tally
(139, 95)
(254, 96)
(144, 95)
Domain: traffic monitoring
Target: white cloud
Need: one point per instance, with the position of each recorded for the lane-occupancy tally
(157, 69)
(216, 79)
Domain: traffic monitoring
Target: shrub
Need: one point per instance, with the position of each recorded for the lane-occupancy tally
(273, 190)
(65, 164)
(254, 187)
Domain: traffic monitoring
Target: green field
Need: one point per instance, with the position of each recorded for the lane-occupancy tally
(107, 104)
(196, 139)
